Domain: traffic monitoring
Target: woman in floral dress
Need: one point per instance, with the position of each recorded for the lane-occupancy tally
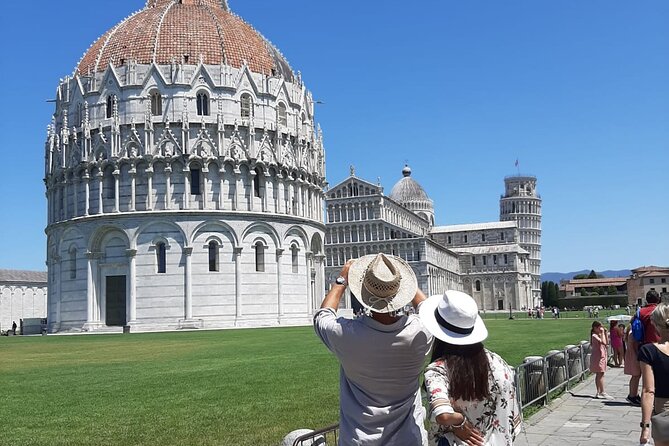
(471, 393)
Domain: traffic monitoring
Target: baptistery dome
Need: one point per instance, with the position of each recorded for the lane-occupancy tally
(184, 178)
(168, 31)
(412, 196)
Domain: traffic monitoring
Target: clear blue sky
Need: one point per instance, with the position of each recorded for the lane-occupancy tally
(577, 91)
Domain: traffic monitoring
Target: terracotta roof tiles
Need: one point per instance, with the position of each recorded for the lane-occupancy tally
(173, 29)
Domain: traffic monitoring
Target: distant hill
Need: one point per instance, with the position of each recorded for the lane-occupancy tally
(557, 277)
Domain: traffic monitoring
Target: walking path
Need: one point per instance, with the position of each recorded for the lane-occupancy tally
(578, 419)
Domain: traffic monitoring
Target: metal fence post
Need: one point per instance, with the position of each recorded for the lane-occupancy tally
(546, 382)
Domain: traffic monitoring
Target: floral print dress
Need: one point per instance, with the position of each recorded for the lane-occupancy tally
(498, 417)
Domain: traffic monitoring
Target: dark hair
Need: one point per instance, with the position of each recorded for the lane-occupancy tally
(595, 324)
(468, 369)
(652, 297)
(612, 324)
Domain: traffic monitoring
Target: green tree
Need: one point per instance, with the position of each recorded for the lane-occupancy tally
(611, 290)
(592, 275)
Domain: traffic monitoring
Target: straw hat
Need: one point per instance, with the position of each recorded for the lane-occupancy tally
(382, 283)
(454, 318)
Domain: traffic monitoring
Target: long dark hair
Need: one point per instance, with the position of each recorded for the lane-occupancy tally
(468, 370)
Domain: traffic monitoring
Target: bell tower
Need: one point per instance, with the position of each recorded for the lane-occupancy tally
(521, 203)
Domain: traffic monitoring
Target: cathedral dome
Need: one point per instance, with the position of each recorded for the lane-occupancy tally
(407, 189)
(184, 31)
(412, 196)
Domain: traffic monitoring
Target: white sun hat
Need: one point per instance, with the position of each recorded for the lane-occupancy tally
(382, 283)
(454, 318)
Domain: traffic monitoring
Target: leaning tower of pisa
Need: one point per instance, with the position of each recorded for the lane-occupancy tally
(521, 203)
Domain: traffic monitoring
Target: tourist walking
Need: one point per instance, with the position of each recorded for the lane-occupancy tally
(472, 398)
(617, 343)
(632, 367)
(649, 335)
(654, 359)
(598, 342)
(381, 353)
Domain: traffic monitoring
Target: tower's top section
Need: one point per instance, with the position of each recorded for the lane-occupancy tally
(520, 186)
(185, 31)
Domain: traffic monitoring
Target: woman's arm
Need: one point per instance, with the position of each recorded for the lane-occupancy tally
(647, 400)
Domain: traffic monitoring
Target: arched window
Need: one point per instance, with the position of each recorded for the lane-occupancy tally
(202, 104)
(281, 114)
(213, 256)
(73, 263)
(477, 284)
(156, 103)
(110, 106)
(294, 258)
(195, 181)
(246, 105)
(260, 257)
(160, 258)
(256, 182)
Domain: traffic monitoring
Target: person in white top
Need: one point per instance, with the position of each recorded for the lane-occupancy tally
(381, 353)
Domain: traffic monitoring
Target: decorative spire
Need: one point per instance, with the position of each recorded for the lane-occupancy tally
(406, 171)
(352, 168)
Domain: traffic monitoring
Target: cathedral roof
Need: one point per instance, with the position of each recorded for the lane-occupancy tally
(20, 276)
(184, 31)
(407, 190)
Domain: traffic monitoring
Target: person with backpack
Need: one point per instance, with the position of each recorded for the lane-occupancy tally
(642, 332)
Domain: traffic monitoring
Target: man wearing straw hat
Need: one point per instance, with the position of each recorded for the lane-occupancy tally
(381, 354)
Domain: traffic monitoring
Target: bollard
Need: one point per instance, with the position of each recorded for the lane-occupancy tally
(534, 384)
(573, 360)
(557, 373)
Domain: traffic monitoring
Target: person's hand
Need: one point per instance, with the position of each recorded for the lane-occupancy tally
(645, 436)
(469, 434)
(344, 270)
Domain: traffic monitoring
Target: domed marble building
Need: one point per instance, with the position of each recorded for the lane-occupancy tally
(184, 179)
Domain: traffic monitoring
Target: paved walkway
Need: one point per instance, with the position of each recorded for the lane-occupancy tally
(578, 419)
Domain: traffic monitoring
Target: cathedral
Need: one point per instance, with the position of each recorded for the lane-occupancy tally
(184, 179)
(496, 262)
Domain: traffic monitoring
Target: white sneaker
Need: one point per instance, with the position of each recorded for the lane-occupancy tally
(604, 396)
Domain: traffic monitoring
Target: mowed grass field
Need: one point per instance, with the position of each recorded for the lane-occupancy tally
(227, 388)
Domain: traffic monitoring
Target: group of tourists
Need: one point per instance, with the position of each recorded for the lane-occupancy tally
(646, 356)
(470, 390)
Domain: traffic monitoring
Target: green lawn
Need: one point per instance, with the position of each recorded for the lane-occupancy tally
(226, 388)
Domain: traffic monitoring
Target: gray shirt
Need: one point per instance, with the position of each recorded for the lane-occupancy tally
(380, 403)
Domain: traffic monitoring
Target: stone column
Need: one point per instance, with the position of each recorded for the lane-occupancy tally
(168, 192)
(279, 193)
(116, 174)
(319, 260)
(220, 189)
(57, 289)
(205, 175)
(100, 185)
(75, 198)
(132, 286)
(238, 280)
(149, 188)
(133, 187)
(186, 174)
(253, 176)
(235, 198)
(310, 297)
(87, 192)
(65, 192)
(188, 301)
(279, 284)
(92, 313)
